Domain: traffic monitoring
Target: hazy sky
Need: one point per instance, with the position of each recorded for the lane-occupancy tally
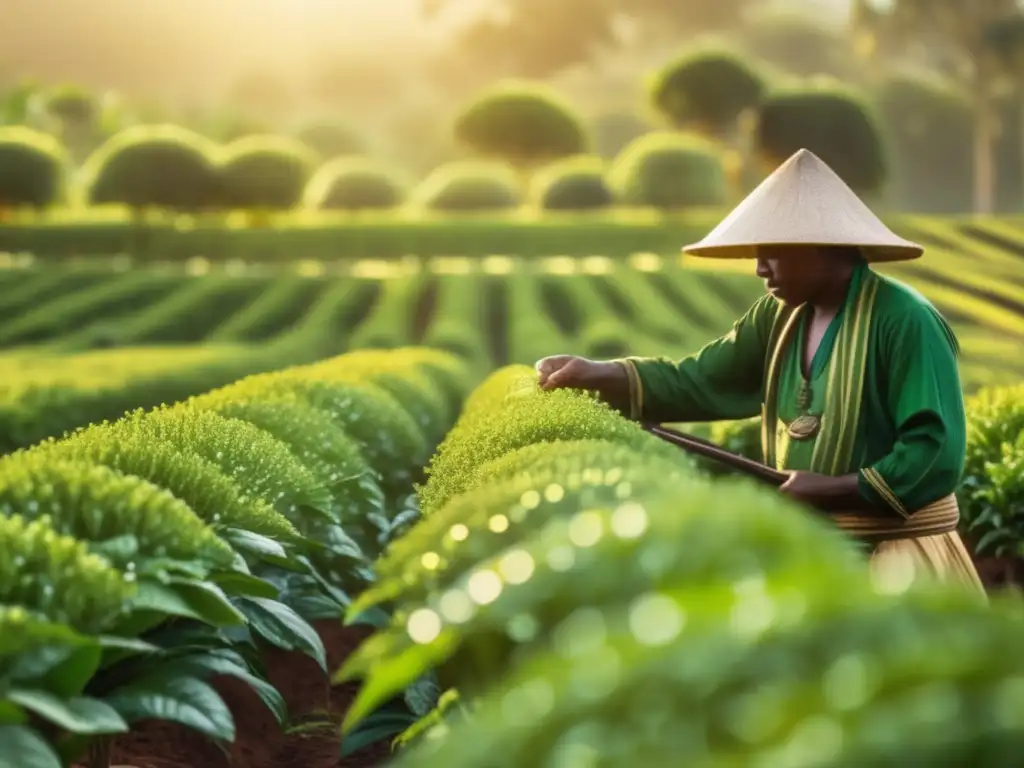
(203, 44)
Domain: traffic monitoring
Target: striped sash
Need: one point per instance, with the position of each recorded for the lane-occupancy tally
(942, 516)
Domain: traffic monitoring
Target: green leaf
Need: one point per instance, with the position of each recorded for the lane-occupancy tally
(280, 626)
(229, 663)
(79, 714)
(341, 544)
(120, 549)
(374, 616)
(178, 599)
(315, 607)
(377, 727)
(37, 632)
(252, 544)
(183, 700)
(241, 584)
(24, 748)
(209, 602)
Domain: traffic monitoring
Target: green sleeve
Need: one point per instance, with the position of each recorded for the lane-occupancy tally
(925, 404)
(721, 381)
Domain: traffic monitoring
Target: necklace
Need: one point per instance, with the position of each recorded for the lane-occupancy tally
(804, 426)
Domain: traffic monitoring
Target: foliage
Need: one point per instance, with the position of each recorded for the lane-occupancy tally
(72, 105)
(560, 579)
(834, 123)
(33, 166)
(176, 544)
(670, 171)
(152, 166)
(991, 492)
(522, 124)
(264, 171)
(467, 186)
(575, 184)
(707, 91)
(354, 184)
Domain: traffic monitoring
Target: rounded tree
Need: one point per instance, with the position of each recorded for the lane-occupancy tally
(929, 124)
(523, 124)
(331, 139)
(33, 165)
(573, 184)
(265, 172)
(707, 91)
(671, 171)
(467, 186)
(354, 184)
(836, 124)
(74, 105)
(152, 166)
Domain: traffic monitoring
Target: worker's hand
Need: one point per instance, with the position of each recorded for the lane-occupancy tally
(572, 372)
(809, 488)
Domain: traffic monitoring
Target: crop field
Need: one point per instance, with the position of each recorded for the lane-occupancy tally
(316, 513)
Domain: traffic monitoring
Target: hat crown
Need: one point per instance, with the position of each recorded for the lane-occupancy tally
(803, 202)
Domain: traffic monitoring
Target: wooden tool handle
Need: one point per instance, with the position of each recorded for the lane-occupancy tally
(711, 451)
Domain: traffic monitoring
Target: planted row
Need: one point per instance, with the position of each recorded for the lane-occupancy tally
(586, 595)
(148, 558)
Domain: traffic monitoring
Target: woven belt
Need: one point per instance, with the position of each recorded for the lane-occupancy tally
(942, 516)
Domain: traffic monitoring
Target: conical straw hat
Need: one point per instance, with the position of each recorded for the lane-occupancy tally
(803, 202)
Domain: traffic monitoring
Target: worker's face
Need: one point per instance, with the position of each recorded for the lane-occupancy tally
(792, 274)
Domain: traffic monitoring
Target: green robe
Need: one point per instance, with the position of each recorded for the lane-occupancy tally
(884, 382)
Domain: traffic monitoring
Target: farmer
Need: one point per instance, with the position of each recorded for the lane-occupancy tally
(853, 374)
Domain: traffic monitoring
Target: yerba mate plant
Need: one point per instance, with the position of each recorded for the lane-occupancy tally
(143, 557)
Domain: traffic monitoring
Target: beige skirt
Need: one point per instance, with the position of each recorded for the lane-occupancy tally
(896, 565)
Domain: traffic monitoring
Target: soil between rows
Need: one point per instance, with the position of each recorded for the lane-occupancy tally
(260, 742)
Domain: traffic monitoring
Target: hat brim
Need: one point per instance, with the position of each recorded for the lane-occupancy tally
(874, 252)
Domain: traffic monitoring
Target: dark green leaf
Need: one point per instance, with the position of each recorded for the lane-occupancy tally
(209, 602)
(380, 726)
(373, 616)
(182, 700)
(24, 748)
(76, 715)
(231, 664)
(252, 544)
(282, 627)
(238, 584)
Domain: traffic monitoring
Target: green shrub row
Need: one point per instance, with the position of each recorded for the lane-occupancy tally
(165, 167)
(586, 595)
(141, 557)
(45, 395)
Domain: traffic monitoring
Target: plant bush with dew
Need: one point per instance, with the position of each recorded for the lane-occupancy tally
(527, 416)
(322, 447)
(447, 377)
(596, 549)
(56, 576)
(389, 438)
(98, 505)
(249, 455)
(213, 495)
(855, 684)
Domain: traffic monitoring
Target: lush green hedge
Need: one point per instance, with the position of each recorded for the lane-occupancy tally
(583, 591)
(143, 556)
